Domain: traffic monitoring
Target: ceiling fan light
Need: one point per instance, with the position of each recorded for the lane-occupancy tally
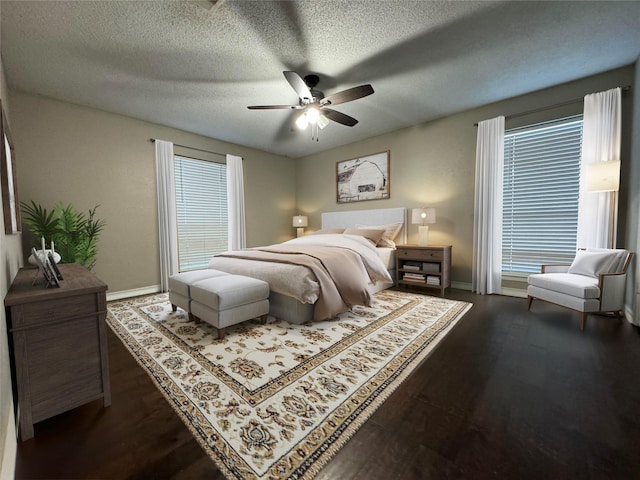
(302, 122)
(323, 121)
(312, 115)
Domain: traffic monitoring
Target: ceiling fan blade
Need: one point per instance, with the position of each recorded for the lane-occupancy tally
(272, 107)
(338, 117)
(347, 95)
(297, 83)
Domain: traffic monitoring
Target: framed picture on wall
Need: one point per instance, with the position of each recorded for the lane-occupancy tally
(10, 204)
(364, 178)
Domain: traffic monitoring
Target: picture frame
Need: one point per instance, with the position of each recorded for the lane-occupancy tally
(45, 268)
(364, 178)
(41, 267)
(53, 278)
(54, 266)
(10, 203)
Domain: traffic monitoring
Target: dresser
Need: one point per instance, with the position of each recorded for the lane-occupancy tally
(424, 267)
(58, 343)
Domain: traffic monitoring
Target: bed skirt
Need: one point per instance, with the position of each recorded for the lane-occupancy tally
(291, 310)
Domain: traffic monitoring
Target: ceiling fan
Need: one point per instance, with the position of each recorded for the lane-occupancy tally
(314, 104)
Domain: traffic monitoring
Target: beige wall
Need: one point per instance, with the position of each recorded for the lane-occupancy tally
(632, 239)
(11, 258)
(433, 164)
(88, 157)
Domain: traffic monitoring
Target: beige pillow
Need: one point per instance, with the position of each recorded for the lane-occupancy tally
(325, 231)
(371, 234)
(391, 231)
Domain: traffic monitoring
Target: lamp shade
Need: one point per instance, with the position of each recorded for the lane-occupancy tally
(421, 216)
(603, 176)
(300, 221)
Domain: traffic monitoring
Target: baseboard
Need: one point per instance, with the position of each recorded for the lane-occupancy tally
(461, 285)
(136, 292)
(10, 447)
(509, 292)
(514, 292)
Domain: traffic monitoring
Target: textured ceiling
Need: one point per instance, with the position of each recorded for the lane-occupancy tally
(196, 68)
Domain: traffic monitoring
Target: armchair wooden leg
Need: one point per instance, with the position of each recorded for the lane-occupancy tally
(619, 315)
(583, 317)
(530, 302)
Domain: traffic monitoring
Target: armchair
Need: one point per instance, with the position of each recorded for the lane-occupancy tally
(593, 283)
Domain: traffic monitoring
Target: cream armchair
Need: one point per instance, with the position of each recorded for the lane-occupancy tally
(593, 283)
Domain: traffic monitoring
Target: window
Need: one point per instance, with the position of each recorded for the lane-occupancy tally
(540, 197)
(201, 206)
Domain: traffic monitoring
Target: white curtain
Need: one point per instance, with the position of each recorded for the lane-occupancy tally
(235, 200)
(600, 143)
(168, 228)
(487, 222)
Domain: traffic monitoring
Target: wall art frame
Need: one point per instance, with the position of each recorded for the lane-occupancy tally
(10, 203)
(364, 178)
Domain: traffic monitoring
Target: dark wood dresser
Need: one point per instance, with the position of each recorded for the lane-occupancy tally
(59, 343)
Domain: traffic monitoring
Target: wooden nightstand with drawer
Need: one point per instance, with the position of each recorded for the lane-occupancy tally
(424, 267)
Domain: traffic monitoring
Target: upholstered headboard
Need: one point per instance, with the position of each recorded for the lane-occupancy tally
(383, 216)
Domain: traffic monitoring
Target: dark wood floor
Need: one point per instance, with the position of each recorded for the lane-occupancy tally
(509, 394)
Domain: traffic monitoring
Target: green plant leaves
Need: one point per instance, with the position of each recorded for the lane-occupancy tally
(74, 234)
(40, 222)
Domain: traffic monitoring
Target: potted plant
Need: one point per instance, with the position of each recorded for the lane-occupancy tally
(75, 235)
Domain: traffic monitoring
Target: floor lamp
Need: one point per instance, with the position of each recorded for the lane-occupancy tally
(605, 177)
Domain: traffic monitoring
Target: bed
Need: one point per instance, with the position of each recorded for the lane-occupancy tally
(298, 290)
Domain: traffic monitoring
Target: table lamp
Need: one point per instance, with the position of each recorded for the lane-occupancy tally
(300, 221)
(422, 217)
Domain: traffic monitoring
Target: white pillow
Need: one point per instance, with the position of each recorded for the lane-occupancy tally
(391, 231)
(620, 256)
(593, 264)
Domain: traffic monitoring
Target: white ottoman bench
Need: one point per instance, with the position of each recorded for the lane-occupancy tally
(180, 283)
(228, 300)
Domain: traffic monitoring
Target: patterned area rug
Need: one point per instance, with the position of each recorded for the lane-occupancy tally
(279, 400)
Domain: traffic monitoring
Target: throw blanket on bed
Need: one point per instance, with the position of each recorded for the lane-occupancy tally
(343, 273)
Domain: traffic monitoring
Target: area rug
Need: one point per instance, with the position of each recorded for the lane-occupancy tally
(279, 400)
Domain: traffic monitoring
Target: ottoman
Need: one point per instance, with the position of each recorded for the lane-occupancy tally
(228, 300)
(180, 283)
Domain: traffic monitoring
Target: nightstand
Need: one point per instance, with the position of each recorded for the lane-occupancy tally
(424, 267)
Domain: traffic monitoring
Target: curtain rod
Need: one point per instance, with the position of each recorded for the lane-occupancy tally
(153, 140)
(549, 107)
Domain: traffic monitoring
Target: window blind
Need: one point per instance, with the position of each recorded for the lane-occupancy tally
(540, 196)
(201, 206)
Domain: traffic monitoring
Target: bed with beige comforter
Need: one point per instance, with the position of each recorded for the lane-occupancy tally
(332, 272)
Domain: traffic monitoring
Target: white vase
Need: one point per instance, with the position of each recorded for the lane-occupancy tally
(42, 255)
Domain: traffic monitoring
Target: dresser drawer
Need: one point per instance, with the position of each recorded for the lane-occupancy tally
(63, 365)
(420, 254)
(37, 313)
